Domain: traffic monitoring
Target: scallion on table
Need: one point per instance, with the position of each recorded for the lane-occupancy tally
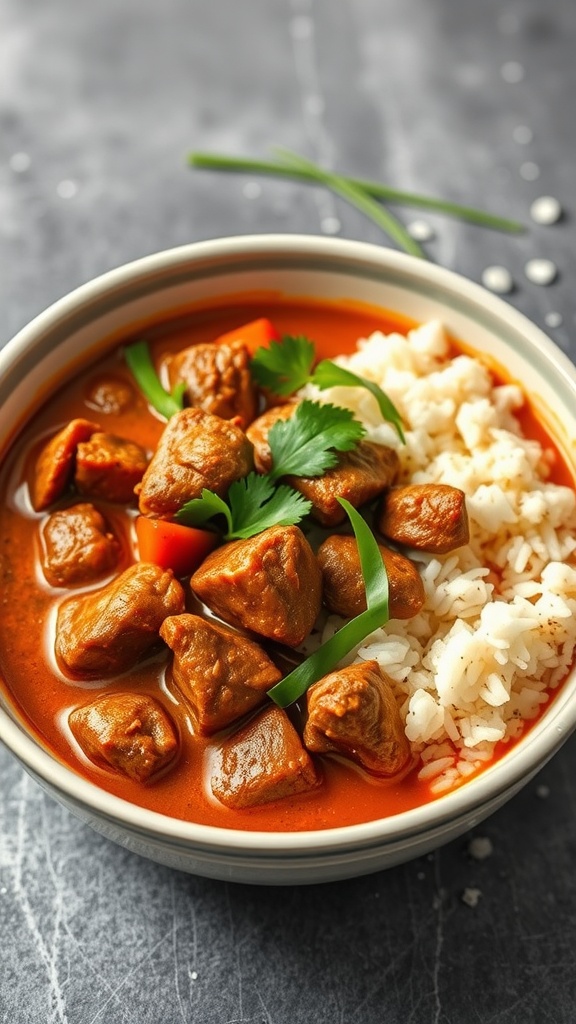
(368, 196)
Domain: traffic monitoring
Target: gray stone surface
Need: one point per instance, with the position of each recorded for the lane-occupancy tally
(109, 96)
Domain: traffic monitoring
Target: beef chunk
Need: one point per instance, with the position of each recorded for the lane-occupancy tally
(55, 465)
(109, 630)
(109, 467)
(270, 584)
(78, 546)
(263, 761)
(129, 732)
(220, 675)
(428, 517)
(343, 586)
(353, 712)
(111, 395)
(359, 475)
(258, 432)
(196, 450)
(217, 379)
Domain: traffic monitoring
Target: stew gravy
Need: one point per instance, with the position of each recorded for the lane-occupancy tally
(44, 697)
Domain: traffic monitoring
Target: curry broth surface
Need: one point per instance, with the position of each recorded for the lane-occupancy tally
(45, 697)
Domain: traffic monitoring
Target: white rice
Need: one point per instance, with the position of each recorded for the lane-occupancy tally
(498, 628)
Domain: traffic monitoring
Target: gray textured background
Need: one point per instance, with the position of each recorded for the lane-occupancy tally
(109, 97)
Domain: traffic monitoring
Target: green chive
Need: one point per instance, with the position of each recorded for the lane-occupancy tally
(244, 165)
(326, 658)
(357, 197)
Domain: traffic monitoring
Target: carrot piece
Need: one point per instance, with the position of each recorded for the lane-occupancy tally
(173, 546)
(256, 334)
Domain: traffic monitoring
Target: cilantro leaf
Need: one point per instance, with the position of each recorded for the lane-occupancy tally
(284, 366)
(304, 444)
(352, 633)
(330, 375)
(254, 504)
(200, 510)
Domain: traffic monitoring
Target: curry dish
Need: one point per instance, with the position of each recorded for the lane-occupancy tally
(144, 651)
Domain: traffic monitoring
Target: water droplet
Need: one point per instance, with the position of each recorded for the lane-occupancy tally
(20, 162)
(194, 975)
(522, 134)
(512, 72)
(509, 23)
(3, 890)
(553, 319)
(471, 896)
(480, 847)
(469, 75)
(546, 210)
(330, 225)
(66, 189)
(530, 171)
(252, 189)
(498, 279)
(302, 27)
(543, 791)
(314, 105)
(420, 231)
(540, 271)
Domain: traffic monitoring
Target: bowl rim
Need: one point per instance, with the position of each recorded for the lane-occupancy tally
(523, 759)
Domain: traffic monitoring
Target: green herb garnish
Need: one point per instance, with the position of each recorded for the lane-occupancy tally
(286, 366)
(254, 504)
(326, 658)
(371, 189)
(358, 198)
(306, 444)
(302, 446)
(144, 372)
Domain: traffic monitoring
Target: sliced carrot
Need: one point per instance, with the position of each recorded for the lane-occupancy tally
(256, 334)
(173, 546)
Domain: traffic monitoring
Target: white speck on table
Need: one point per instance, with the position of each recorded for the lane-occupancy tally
(541, 271)
(497, 279)
(471, 896)
(420, 231)
(512, 72)
(529, 171)
(20, 162)
(480, 848)
(523, 135)
(546, 210)
(553, 319)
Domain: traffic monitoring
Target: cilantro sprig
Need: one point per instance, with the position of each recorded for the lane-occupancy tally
(287, 365)
(327, 657)
(304, 445)
(284, 366)
(254, 504)
(307, 443)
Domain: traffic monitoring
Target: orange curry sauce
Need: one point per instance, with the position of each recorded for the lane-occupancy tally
(44, 696)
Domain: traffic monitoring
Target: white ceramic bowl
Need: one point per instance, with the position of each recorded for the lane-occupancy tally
(72, 331)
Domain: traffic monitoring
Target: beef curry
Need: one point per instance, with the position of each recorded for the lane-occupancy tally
(152, 679)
